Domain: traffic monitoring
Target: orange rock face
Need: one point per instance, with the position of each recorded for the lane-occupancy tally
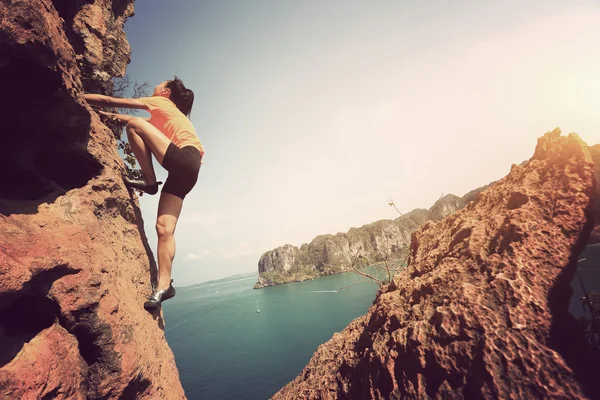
(481, 310)
(595, 235)
(74, 261)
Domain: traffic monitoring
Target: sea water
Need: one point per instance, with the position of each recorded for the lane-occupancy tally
(225, 349)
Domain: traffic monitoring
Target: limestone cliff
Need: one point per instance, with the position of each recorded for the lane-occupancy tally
(481, 309)
(330, 254)
(74, 260)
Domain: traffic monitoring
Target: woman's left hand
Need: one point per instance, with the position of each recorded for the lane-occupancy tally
(111, 116)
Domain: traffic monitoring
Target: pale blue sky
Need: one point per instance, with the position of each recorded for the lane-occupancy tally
(313, 113)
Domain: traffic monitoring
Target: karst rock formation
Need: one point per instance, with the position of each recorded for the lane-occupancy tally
(481, 309)
(74, 261)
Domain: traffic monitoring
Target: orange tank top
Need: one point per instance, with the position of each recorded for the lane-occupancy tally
(168, 119)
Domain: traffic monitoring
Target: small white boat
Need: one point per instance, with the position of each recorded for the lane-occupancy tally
(257, 309)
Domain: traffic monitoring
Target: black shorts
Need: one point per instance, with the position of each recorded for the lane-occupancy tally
(183, 166)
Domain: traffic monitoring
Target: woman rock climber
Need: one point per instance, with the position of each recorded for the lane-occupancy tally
(168, 135)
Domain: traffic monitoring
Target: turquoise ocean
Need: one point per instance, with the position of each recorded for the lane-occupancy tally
(225, 349)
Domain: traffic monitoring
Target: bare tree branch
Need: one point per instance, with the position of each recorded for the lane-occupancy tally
(121, 86)
(140, 90)
(359, 272)
(391, 203)
(379, 281)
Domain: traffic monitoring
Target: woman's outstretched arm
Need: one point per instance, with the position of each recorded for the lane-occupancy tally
(101, 100)
(121, 117)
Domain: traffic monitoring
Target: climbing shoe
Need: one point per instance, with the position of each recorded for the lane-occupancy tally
(158, 296)
(140, 184)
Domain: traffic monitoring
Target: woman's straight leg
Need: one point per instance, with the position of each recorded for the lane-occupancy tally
(169, 208)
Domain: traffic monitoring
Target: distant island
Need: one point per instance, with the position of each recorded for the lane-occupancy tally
(333, 254)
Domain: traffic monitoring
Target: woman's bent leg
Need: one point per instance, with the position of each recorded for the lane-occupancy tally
(169, 208)
(154, 139)
(142, 154)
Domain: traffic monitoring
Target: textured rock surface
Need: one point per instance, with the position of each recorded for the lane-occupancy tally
(481, 310)
(74, 261)
(95, 31)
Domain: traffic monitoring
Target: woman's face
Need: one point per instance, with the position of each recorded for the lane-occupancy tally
(162, 90)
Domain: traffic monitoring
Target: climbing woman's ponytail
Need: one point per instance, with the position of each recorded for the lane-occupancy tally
(181, 96)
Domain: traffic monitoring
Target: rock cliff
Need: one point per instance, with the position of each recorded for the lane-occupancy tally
(481, 309)
(74, 260)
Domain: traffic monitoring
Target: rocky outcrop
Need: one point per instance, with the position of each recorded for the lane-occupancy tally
(74, 261)
(95, 32)
(481, 309)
